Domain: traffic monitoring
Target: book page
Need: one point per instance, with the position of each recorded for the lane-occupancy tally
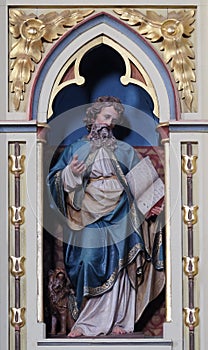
(151, 196)
(141, 177)
(145, 185)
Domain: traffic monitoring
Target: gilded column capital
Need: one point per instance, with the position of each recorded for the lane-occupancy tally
(163, 129)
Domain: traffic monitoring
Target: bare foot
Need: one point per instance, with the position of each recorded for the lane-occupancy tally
(118, 330)
(77, 332)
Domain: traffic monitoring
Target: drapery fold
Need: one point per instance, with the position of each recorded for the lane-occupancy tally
(96, 252)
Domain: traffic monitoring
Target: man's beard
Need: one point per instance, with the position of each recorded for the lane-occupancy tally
(101, 135)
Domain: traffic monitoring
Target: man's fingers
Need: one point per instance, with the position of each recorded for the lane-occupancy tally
(76, 166)
(80, 165)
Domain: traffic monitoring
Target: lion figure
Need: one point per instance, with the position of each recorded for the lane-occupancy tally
(61, 296)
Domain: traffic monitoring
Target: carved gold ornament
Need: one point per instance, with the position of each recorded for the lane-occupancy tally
(191, 317)
(16, 164)
(30, 32)
(17, 266)
(189, 165)
(173, 32)
(190, 216)
(190, 265)
(18, 317)
(17, 215)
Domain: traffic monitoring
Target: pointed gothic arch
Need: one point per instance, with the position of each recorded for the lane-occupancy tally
(103, 25)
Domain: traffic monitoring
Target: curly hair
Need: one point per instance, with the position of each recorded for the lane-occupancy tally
(98, 105)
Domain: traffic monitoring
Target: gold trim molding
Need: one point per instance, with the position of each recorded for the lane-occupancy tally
(173, 32)
(30, 32)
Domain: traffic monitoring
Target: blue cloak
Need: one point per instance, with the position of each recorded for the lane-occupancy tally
(95, 255)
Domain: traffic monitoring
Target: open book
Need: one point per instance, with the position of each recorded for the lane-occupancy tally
(145, 185)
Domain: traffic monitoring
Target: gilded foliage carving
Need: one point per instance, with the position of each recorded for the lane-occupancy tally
(173, 33)
(30, 32)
